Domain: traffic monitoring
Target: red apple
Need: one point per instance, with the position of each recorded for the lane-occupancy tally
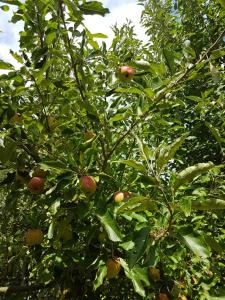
(34, 237)
(88, 184)
(125, 73)
(36, 185)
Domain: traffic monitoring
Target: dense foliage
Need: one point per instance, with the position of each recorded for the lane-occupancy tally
(83, 132)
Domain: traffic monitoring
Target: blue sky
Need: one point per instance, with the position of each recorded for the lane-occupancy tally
(120, 10)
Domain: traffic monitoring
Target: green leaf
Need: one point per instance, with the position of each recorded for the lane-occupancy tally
(190, 173)
(129, 91)
(111, 227)
(208, 204)
(100, 275)
(127, 245)
(50, 37)
(213, 297)
(140, 239)
(93, 8)
(5, 66)
(145, 151)
(12, 2)
(217, 53)
(136, 203)
(166, 153)
(214, 131)
(4, 173)
(138, 276)
(222, 3)
(8, 151)
(54, 207)
(132, 163)
(75, 13)
(99, 36)
(212, 243)
(5, 7)
(51, 229)
(195, 243)
(149, 93)
(142, 64)
(55, 165)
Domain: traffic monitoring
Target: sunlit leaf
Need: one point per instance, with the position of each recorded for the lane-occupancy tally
(190, 173)
(196, 243)
(93, 8)
(111, 227)
(166, 153)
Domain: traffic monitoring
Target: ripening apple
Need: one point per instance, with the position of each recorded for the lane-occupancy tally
(163, 296)
(125, 73)
(88, 184)
(113, 267)
(154, 273)
(34, 237)
(118, 197)
(36, 185)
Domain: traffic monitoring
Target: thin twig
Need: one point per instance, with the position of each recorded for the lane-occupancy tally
(69, 48)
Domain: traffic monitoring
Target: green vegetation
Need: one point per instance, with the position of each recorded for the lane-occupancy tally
(74, 133)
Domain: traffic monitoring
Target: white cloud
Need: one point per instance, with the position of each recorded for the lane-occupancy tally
(9, 37)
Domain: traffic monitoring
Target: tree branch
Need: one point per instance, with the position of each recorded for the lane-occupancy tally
(69, 48)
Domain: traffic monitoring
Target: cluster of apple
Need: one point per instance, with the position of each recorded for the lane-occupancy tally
(113, 269)
(36, 186)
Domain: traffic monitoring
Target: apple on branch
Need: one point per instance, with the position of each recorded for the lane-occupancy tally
(34, 237)
(113, 267)
(120, 196)
(88, 184)
(125, 73)
(36, 185)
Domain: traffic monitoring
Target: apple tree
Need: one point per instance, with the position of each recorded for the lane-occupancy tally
(112, 157)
